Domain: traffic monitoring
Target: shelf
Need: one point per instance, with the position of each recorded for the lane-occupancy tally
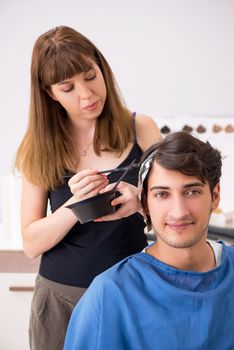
(16, 261)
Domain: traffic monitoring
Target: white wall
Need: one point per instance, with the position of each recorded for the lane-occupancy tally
(170, 57)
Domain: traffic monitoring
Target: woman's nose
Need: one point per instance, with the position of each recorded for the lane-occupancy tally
(84, 91)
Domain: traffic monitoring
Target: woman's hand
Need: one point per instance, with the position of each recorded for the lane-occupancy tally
(87, 183)
(128, 200)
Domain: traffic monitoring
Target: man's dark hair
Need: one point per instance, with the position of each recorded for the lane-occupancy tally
(187, 154)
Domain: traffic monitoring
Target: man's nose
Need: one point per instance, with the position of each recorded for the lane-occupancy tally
(179, 208)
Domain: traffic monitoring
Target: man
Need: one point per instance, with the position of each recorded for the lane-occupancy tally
(179, 292)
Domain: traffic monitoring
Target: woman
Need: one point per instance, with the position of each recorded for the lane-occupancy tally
(78, 125)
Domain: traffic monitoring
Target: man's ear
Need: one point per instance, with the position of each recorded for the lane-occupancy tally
(215, 197)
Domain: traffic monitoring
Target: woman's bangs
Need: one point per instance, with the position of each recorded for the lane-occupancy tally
(64, 64)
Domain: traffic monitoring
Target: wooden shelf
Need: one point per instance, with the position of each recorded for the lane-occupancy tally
(17, 261)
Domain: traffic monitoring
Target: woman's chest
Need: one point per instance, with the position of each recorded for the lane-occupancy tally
(106, 160)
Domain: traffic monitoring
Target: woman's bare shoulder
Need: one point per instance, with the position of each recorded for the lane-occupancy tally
(147, 131)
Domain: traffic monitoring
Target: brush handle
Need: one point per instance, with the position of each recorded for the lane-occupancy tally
(115, 170)
(123, 175)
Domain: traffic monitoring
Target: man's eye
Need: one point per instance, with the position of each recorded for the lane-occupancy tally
(161, 195)
(192, 193)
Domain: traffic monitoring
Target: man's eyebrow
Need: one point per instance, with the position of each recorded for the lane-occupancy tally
(159, 188)
(192, 184)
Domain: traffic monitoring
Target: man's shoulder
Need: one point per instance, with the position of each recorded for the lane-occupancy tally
(120, 270)
(228, 248)
(228, 251)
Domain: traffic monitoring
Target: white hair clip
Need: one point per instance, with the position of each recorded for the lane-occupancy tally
(144, 168)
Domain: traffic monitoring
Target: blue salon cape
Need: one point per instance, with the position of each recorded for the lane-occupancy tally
(144, 304)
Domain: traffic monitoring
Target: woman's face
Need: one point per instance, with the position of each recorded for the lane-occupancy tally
(82, 96)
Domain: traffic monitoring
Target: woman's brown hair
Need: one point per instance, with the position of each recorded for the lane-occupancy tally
(46, 151)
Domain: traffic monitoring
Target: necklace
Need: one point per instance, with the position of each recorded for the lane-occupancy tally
(83, 151)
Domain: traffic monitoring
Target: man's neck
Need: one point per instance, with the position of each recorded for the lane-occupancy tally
(198, 258)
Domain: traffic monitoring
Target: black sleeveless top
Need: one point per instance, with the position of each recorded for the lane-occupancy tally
(91, 248)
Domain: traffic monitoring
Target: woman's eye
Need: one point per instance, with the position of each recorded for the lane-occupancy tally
(68, 89)
(90, 77)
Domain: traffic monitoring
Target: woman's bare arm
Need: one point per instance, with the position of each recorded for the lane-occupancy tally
(39, 231)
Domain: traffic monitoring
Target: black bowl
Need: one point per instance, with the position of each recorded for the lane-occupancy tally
(94, 207)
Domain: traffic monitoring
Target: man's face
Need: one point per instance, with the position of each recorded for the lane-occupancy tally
(179, 207)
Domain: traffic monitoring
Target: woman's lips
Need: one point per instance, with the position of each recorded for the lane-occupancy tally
(91, 106)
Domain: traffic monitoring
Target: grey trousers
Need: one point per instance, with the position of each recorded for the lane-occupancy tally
(51, 308)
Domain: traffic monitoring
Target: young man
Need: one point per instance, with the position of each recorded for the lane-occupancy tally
(179, 292)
